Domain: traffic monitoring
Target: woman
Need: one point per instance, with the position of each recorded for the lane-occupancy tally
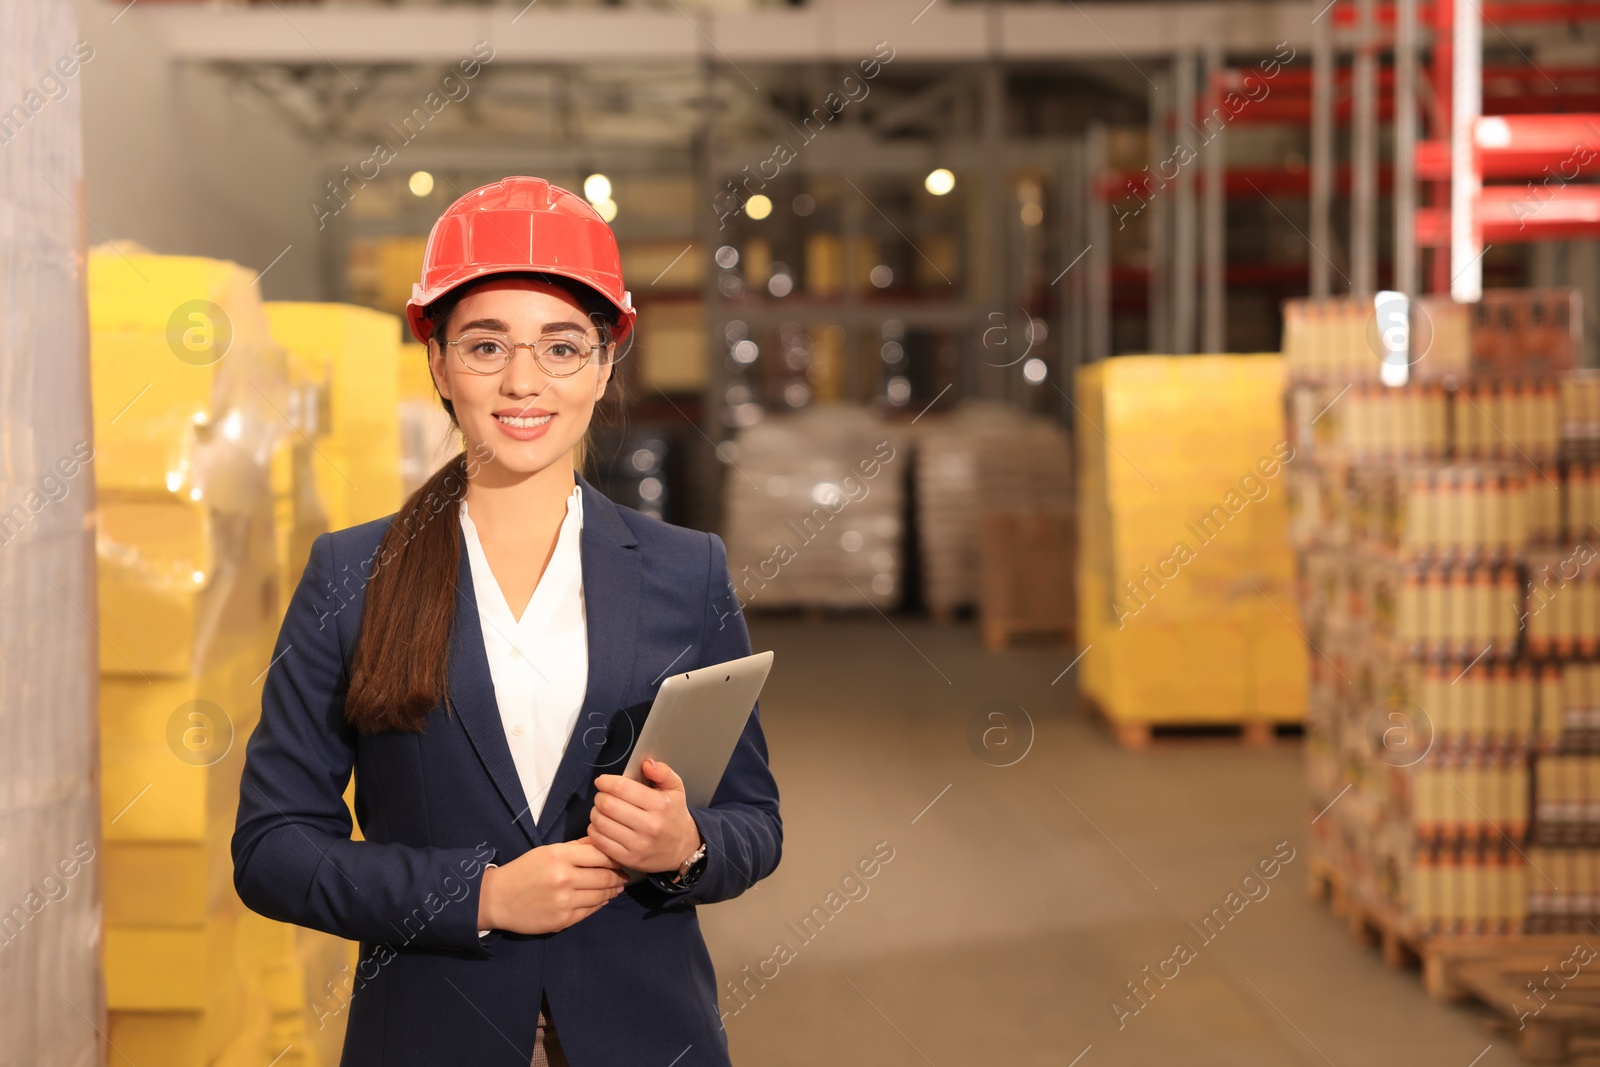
(483, 660)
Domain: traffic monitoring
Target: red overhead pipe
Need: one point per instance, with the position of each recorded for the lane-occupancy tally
(1431, 14)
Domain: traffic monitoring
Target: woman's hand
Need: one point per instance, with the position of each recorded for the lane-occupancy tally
(641, 827)
(548, 888)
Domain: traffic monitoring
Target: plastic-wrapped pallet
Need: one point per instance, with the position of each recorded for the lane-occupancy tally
(185, 381)
(1451, 596)
(51, 998)
(1185, 558)
(188, 397)
(984, 456)
(194, 395)
(813, 505)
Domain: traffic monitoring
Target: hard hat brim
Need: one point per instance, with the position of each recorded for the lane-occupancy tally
(422, 327)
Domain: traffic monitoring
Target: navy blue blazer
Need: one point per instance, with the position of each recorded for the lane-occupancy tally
(631, 983)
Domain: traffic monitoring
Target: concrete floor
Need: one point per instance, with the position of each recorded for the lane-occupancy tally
(1021, 900)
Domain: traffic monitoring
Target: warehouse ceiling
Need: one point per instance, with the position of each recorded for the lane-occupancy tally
(665, 106)
(364, 105)
(344, 73)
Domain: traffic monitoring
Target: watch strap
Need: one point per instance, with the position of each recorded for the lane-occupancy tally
(695, 859)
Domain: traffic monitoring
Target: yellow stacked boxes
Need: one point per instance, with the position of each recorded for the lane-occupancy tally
(186, 385)
(306, 981)
(355, 353)
(171, 753)
(163, 329)
(192, 412)
(1185, 571)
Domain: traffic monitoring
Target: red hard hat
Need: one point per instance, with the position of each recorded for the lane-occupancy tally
(519, 224)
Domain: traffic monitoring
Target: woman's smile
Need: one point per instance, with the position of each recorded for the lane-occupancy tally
(523, 427)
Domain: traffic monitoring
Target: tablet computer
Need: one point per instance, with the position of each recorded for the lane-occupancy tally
(695, 723)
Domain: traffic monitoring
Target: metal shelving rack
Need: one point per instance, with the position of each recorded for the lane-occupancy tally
(1000, 277)
(1469, 137)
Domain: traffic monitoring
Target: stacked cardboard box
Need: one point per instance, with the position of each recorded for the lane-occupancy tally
(1337, 339)
(1569, 901)
(353, 353)
(1449, 601)
(1183, 558)
(982, 457)
(191, 408)
(1516, 332)
(1580, 414)
(948, 517)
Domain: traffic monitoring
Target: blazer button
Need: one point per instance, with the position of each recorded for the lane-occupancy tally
(691, 901)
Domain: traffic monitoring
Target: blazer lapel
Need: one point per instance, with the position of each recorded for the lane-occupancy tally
(472, 697)
(611, 581)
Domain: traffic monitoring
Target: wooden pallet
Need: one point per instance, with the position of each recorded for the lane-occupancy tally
(1491, 970)
(1499, 975)
(1025, 577)
(1001, 634)
(1369, 923)
(1141, 734)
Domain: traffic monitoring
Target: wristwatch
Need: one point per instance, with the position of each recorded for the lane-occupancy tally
(695, 862)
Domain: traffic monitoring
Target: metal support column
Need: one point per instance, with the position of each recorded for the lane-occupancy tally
(1440, 64)
(1159, 330)
(1070, 325)
(1184, 277)
(1097, 334)
(1322, 60)
(706, 465)
(1405, 147)
(1364, 154)
(1466, 242)
(1214, 323)
(993, 383)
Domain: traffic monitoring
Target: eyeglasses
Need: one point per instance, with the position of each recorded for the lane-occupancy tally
(559, 355)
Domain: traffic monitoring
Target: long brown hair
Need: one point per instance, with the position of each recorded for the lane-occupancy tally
(399, 672)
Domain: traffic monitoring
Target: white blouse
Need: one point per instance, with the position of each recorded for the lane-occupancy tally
(539, 663)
